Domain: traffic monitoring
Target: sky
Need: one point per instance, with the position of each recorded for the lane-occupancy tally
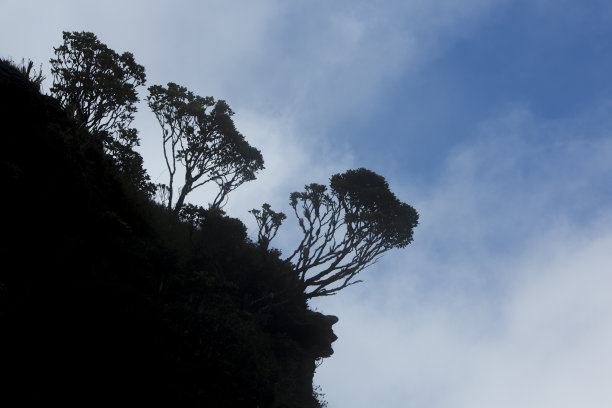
(490, 117)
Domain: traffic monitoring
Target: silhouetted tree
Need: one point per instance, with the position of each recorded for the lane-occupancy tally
(346, 229)
(268, 222)
(199, 134)
(97, 87)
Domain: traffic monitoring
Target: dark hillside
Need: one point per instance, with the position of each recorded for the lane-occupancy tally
(106, 297)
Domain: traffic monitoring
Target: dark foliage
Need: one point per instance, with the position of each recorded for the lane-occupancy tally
(36, 77)
(98, 88)
(109, 298)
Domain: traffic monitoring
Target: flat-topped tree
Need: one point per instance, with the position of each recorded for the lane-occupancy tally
(198, 133)
(346, 229)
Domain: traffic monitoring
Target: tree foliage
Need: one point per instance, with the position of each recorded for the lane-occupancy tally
(345, 229)
(268, 222)
(200, 138)
(97, 86)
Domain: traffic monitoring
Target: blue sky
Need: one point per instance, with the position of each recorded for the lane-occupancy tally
(491, 117)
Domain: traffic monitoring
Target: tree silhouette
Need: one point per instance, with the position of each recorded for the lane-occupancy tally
(199, 135)
(268, 222)
(97, 87)
(345, 229)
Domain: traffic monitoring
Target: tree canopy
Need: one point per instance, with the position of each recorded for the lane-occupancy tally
(200, 138)
(98, 87)
(345, 229)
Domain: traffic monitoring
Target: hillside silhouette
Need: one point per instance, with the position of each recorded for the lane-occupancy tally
(109, 297)
(115, 288)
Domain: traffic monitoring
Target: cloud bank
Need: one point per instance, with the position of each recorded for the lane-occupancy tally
(503, 298)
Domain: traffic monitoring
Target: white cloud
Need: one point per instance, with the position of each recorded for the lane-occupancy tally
(553, 349)
(546, 343)
(503, 298)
